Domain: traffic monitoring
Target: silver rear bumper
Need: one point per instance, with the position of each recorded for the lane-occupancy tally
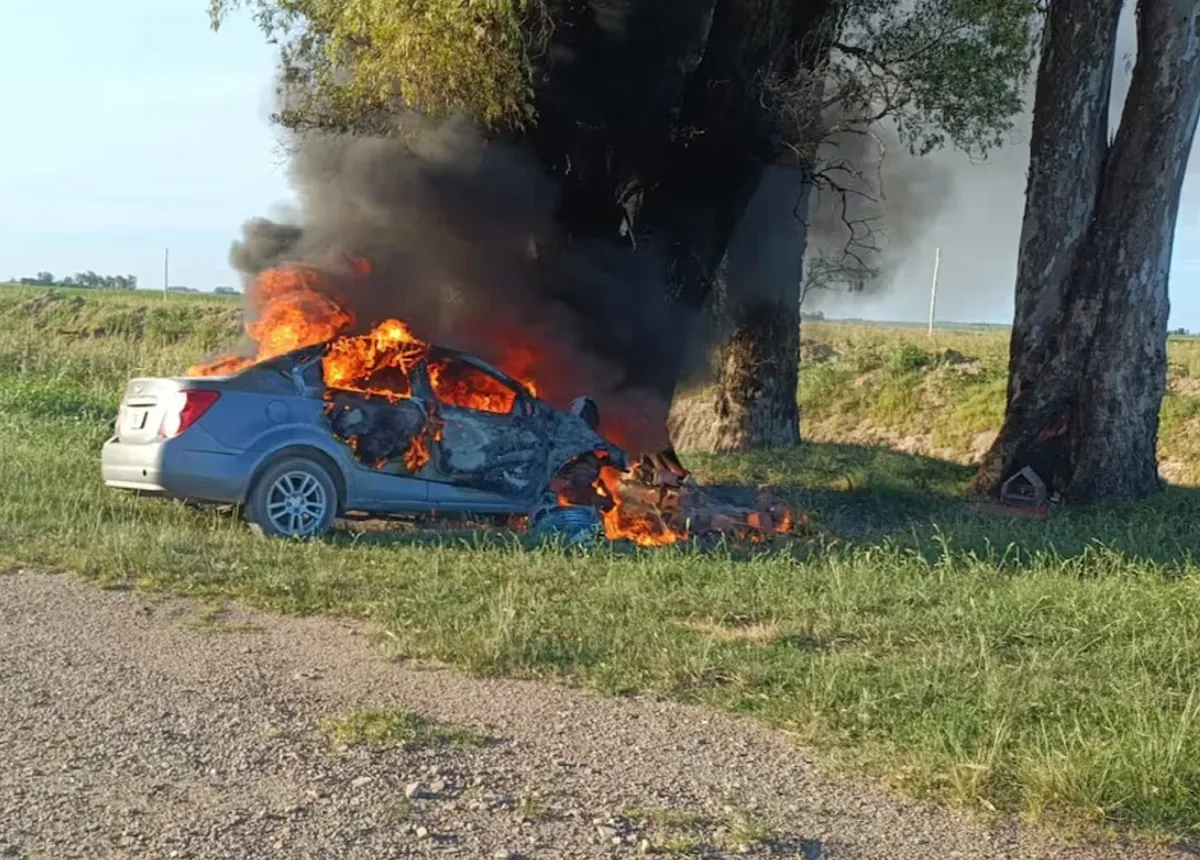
(132, 467)
(168, 468)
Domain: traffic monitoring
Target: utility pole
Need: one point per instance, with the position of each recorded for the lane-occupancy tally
(937, 264)
(166, 270)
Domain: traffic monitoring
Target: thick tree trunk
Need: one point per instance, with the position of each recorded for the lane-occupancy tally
(1088, 359)
(653, 120)
(754, 404)
(758, 352)
(1115, 428)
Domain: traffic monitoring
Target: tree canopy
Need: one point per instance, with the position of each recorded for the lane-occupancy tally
(948, 71)
(88, 279)
(346, 62)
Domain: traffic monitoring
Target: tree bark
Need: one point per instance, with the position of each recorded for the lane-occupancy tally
(758, 352)
(754, 404)
(1088, 349)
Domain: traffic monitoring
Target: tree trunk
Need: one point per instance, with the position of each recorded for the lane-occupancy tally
(758, 353)
(754, 405)
(1088, 350)
(1115, 432)
(653, 120)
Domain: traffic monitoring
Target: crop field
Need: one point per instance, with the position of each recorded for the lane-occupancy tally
(1049, 669)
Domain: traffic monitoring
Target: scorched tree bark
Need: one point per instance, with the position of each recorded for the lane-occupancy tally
(759, 360)
(1088, 350)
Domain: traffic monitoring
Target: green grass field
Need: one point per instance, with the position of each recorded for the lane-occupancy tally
(1050, 669)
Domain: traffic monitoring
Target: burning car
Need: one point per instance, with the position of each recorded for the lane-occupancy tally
(381, 423)
(321, 421)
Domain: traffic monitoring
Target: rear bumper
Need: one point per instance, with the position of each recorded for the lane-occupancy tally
(167, 468)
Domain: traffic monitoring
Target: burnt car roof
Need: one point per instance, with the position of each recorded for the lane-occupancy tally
(468, 358)
(316, 350)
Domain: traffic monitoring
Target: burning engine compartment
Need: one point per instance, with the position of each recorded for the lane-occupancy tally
(408, 408)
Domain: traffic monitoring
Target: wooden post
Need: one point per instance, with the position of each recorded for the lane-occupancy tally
(937, 264)
(166, 270)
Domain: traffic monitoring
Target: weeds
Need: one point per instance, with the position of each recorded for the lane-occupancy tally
(394, 728)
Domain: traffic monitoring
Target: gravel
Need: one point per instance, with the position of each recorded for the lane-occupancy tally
(133, 727)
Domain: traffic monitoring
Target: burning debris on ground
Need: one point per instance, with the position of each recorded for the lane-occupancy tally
(656, 506)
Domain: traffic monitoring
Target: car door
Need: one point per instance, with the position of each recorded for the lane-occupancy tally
(491, 448)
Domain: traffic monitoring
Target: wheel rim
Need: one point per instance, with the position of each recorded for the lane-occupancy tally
(296, 503)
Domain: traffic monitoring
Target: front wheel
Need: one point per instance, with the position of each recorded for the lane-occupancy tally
(294, 498)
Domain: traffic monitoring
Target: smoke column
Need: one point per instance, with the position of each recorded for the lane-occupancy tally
(461, 241)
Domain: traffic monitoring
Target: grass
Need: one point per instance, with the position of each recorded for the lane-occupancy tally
(1049, 669)
(944, 396)
(687, 832)
(394, 728)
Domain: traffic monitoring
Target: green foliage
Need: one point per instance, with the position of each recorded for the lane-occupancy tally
(907, 357)
(349, 60)
(947, 71)
(83, 280)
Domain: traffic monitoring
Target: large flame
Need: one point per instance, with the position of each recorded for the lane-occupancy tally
(463, 385)
(291, 313)
(619, 524)
(377, 363)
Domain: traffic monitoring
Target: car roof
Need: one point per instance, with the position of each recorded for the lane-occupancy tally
(435, 351)
(476, 361)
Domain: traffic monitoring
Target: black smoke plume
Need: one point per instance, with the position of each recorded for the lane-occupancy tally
(462, 244)
(873, 201)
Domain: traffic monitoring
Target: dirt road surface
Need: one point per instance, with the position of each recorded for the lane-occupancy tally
(137, 726)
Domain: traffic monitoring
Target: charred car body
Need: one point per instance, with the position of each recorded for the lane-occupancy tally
(296, 452)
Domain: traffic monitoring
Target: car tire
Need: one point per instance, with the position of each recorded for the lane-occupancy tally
(293, 498)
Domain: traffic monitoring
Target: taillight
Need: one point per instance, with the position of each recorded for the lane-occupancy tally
(187, 411)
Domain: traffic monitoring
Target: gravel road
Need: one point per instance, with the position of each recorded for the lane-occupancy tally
(137, 726)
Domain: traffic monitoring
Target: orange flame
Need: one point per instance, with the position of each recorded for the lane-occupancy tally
(462, 385)
(291, 314)
(362, 363)
(619, 524)
(224, 366)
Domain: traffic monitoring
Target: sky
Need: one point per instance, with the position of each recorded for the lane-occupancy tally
(138, 129)
(129, 128)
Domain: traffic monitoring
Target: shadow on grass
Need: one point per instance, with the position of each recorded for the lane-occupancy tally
(860, 496)
(865, 495)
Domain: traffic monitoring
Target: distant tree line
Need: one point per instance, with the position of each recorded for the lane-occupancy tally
(87, 280)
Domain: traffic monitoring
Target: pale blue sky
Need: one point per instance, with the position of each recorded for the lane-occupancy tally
(130, 127)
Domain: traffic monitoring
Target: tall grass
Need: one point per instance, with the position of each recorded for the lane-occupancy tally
(1049, 668)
